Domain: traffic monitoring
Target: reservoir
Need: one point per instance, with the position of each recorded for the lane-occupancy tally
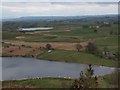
(17, 68)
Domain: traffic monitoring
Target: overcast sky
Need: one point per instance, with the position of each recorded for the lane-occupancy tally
(48, 8)
(60, 0)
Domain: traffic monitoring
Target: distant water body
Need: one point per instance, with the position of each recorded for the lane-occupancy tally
(34, 29)
(17, 68)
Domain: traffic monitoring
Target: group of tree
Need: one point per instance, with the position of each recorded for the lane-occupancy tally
(86, 80)
(113, 32)
(91, 48)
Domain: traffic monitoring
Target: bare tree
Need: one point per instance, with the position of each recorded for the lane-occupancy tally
(78, 47)
(48, 46)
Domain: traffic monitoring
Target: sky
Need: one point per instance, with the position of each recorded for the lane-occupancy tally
(23, 8)
(60, 0)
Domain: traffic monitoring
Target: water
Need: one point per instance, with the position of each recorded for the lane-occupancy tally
(16, 68)
(34, 29)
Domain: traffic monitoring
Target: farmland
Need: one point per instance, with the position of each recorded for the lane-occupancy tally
(87, 40)
(65, 35)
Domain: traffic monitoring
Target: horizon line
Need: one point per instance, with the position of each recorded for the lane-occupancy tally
(59, 16)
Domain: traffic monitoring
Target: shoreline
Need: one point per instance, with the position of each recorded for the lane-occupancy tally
(63, 61)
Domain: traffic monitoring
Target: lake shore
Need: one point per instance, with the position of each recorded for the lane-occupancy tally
(64, 52)
(103, 82)
(71, 57)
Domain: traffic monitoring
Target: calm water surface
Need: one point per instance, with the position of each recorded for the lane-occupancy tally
(37, 28)
(21, 68)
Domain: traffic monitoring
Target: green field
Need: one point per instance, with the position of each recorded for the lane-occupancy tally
(107, 81)
(41, 83)
(78, 31)
(77, 57)
(102, 37)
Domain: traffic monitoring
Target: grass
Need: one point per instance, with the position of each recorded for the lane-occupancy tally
(108, 41)
(86, 33)
(76, 57)
(5, 45)
(113, 49)
(103, 39)
(10, 35)
(41, 83)
(50, 39)
(106, 81)
(109, 81)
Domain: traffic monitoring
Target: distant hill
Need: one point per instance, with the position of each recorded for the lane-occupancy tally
(43, 18)
(52, 18)
(56, 21)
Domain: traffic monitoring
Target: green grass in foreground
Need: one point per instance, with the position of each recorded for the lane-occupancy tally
(41, 83)
(107, 81)
(77, 57)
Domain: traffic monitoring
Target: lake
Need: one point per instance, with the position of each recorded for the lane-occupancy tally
(17, 68)
(34, 29)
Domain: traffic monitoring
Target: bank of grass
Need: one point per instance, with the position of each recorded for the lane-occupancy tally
(40, 83)
(10, 35)
(76, 57)
(51, 39)
(107, 41)
(109, 81)
(106, 81)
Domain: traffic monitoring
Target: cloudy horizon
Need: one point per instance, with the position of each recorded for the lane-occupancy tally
(23, 9)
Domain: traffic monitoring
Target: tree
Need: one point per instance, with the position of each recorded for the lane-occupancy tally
(48, 46)
(111, 32)
(95, 30)
(85, 26)
(91, 48)
(78, 47)
(117, 54)
(87, 80)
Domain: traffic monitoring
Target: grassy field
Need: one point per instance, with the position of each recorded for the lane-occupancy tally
(107, 81)
(39, 83)
(76, 57)
(77, 34)
(57, 55)
(102, 39)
